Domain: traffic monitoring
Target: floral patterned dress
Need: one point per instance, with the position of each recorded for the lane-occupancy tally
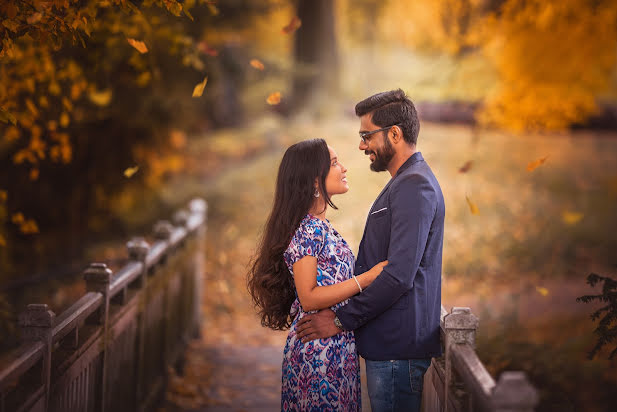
(322, 375)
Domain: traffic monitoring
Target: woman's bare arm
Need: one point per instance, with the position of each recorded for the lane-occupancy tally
(313, 297)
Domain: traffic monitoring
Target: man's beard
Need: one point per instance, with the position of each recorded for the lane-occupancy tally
(382, 157)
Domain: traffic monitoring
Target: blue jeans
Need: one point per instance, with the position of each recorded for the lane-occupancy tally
(396, 385)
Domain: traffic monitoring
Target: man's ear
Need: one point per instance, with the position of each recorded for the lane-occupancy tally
(396, 133)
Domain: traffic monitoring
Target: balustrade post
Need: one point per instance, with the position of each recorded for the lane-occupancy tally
(514, 393)
(199, 206)
(98, 277)
(37, 325)
(162, 231)
(460, 328)
(138, 250)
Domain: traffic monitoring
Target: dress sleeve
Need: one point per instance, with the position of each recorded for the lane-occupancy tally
(309, 240)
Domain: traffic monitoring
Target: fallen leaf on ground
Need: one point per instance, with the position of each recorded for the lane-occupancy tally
(542, 291)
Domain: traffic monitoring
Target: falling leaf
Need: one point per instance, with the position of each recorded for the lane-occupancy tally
(274, 98)
(472, 207)
(3, 195)
(199, 88)
(140, 46)
(542, 291)
(466, 167)
(533, 165)
(130, 171)
(293, 25)
(206, 49)
(34, 174)
(257, 64)
(177, 138)
(101, 98)
(2, 241)
(571, 218)
(213, 9)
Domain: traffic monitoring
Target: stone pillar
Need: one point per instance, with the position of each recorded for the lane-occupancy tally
(514, 393)
(36, 324)
(98, 277)
(460, 325)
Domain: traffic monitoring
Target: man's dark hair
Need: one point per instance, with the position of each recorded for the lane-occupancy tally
(390, 108)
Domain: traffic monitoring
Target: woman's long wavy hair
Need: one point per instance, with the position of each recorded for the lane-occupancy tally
(269, 282)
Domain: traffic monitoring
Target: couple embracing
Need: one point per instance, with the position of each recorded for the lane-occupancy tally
(384, 304)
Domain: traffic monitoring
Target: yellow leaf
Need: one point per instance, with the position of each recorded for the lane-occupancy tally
(571, 218)
(213, 9)
(274, 98)
(17, 218)
(29, 227)
(177, 138)
(2, 241)
(34, 174)
(54, 88)
(542, 291)
(293, 25)
(129, 172)
(533, 165)
(140, 46)
(3, 195)
(100, 98)
(64, 119)
(199, 88)
(257, 64)
(472, 207)
(143, 79)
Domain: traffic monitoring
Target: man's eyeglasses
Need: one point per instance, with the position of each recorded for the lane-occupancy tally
(363, 135)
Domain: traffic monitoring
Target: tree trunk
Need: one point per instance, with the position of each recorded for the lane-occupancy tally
(316, 54)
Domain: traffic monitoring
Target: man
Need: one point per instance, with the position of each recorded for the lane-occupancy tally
(396, 318)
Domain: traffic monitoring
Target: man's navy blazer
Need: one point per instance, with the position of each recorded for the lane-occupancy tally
(397, 316)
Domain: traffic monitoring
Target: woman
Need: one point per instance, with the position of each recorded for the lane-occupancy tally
(303, 264)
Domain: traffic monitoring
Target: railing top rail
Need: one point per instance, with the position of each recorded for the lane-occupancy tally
(75, 314)
(18, 361)
(127, 274)
(473, 373)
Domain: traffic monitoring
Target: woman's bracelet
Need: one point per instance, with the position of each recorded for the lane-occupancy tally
(357, 283)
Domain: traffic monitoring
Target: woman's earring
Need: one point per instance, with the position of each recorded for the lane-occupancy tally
(316, 194)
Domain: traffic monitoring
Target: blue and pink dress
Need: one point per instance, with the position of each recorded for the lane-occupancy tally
(321, 375)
